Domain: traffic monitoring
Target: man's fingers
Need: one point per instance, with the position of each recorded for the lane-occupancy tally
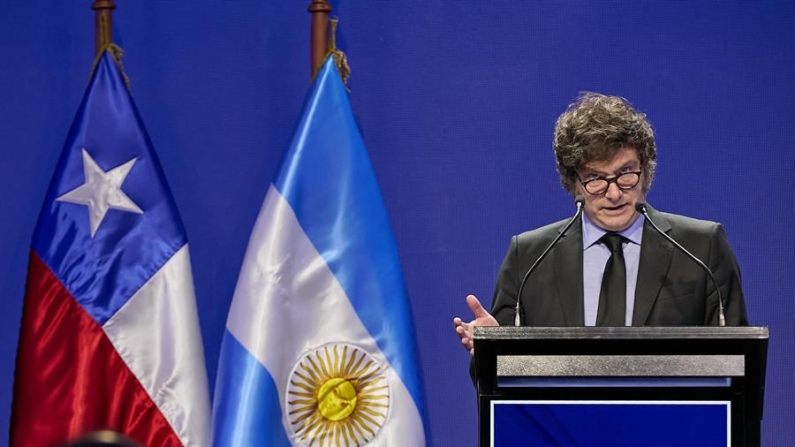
(482, 316)
(464, 335)
(474, 305)
(464, 330)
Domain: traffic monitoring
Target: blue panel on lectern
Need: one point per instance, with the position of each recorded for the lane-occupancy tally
(609, 423)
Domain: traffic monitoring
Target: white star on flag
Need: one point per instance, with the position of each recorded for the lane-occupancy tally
(101, 191)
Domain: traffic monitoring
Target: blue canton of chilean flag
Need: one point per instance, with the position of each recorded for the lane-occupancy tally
(319, 346)
(110, 336)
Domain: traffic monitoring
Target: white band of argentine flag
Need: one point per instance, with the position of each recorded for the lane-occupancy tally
(328, 378)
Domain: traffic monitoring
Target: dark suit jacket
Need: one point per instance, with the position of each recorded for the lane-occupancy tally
(671, 289)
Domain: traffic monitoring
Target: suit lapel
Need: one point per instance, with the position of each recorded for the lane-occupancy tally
(655, 259)
(568, 275)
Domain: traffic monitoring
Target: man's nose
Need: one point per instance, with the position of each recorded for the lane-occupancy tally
(613, 191)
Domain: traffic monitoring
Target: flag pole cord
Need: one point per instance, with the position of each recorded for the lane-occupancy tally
(339, 56)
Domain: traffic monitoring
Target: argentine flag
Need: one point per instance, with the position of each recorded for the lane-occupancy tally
(319, 346)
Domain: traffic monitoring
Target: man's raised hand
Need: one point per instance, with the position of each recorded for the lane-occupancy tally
(465, 330)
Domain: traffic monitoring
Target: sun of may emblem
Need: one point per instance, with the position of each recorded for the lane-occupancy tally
(337, 396)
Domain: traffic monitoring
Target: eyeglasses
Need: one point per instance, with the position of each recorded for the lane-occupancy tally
(599, 185)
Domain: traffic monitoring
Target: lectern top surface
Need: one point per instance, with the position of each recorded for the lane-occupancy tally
(700, 332)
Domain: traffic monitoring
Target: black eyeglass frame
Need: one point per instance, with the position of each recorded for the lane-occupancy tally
(614, 179)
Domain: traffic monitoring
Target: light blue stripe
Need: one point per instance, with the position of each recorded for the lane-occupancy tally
(246, 410)
(328, 181)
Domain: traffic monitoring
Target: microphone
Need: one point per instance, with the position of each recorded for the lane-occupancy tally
(578, 201)
(641, 208)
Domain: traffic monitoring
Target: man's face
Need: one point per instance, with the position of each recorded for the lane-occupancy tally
(614, 210)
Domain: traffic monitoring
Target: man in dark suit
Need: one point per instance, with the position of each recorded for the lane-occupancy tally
(612, 268)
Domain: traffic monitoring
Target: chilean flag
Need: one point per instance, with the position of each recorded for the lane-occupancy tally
(110, 336)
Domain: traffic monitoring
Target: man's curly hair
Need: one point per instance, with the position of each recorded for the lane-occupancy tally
(594, 128)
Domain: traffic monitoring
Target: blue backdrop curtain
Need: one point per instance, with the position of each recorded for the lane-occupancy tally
(456, 101)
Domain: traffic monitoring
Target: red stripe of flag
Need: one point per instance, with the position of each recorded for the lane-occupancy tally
(72, 378)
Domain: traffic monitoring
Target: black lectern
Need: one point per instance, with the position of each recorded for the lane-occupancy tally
(629, 385)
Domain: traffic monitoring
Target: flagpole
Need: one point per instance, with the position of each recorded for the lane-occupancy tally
(320, 10)
(103, 21)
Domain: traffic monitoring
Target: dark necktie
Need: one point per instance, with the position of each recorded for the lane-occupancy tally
(613, 296)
